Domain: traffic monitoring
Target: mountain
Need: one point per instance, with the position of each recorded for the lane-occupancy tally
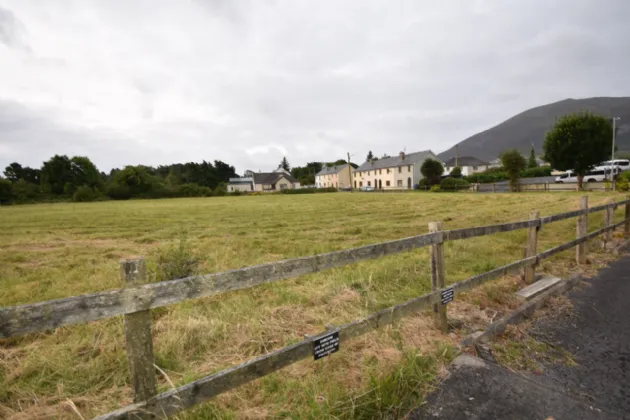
(520, 131)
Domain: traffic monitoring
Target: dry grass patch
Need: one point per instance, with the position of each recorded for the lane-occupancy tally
(378, 375)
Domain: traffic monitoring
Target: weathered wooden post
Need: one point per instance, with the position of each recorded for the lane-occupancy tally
(532, 241)
(626, 226)
(438, 275)
(581, 230)
(494, 187)
(139, 336)
(610, 215)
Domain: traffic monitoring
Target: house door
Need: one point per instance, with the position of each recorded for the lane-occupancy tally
(380, 184)
(409, 183)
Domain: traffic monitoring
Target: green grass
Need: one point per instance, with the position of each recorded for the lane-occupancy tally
(52, 251)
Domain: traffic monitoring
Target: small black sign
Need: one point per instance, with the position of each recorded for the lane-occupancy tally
(447, 295)
(326, 345)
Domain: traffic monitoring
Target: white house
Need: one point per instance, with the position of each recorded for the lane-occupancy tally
(397, 172)
(263, 181)
(468, 164)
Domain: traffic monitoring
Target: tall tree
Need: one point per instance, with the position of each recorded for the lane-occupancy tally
(531, 163)
(578, 142)
(84, 172)
(513, 163)
(284, 164)
(370, 156)
(14, 171)
(432, 170)
(56, 173)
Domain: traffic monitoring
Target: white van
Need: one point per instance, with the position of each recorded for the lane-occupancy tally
(620, 164)
(594, 175)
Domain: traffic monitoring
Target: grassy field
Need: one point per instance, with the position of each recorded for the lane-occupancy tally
(60, 250)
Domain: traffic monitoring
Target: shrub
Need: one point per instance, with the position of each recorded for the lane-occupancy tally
(435, 188)
(514, 163)
(25, 192)
(176, 261)
(454, 184)
(6, 191)
(309, 190)
(119, 192)
(432, 170)
(193, 190)
(536, 172)
(85, 194)
(456, 172)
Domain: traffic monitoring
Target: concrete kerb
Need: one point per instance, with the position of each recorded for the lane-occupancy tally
(523, 312)
(621, 247)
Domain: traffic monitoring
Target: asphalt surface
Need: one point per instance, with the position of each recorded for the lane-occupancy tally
(503, 186)
(597, 333)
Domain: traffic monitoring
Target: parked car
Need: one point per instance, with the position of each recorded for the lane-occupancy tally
(367, 188)
(594, 175)
(620, 164)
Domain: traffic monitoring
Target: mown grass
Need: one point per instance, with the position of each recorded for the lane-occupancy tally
(58, 250)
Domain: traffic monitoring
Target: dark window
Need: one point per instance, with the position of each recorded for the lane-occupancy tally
(408, 168)
(400, 169)
(369, 184)
(387, 183)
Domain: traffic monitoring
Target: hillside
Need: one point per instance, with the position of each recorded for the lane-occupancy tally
(530, 127)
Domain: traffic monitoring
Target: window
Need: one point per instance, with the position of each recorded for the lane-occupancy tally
(379, 171)
(474, 168)
(369, 184)
(399, 182)
(408, 168)
(400, 169)
(360, 184)
(387, 170)
(387, 183)
(368, 173)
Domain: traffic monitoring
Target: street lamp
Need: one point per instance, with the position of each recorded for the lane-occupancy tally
(612, 170)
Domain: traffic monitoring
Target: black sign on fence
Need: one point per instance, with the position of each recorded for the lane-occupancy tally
(447, 295)
(326, 345)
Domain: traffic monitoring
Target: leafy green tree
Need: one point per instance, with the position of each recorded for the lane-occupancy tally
(284, 164)
(578, 142)
(14, 171)
(432, 170)
(84, 172)
(6, 191)
(531, 163)
(456, 172)
(370, 156)
(56, 172)
(513, 163)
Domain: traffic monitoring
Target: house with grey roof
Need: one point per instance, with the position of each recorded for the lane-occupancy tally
(397, 172)
(264, 182)
(337, 176)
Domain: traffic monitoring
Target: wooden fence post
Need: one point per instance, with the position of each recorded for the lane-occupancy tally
(532, 241)
(610, 215)
(626, 227)
(438, 276)
(494, 187)
(139, 336)
(581, 230)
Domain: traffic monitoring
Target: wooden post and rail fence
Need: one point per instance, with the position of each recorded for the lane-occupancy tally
(136, 298)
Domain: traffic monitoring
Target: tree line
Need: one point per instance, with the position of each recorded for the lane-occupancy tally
(76, 178)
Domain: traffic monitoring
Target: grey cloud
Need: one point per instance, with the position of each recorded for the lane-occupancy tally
(244, 81)
(12, 31)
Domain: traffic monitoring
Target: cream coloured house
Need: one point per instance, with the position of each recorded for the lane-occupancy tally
(398, 172)
(334, 176)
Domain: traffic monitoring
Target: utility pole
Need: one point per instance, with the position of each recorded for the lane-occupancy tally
(612, 170)
(456, 155)
(350, 173)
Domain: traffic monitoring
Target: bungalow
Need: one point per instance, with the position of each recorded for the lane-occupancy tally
(468, 164)
(337, 176)
(399, 172)
(263, 181)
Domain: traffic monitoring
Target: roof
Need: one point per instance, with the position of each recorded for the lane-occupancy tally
(271, 177)
(327, 170)
(466, 161)
(243, 180)
(394, 161)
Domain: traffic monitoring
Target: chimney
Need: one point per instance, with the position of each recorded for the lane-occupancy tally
(402, 155)
(371, 161)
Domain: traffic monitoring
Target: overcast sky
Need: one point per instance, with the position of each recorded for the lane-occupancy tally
(247, 82)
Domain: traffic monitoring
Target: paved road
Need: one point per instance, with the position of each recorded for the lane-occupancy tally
(597, 333)
(503, 185)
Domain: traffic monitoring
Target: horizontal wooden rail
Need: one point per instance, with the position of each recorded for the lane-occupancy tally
(173, 401)
(23, 319)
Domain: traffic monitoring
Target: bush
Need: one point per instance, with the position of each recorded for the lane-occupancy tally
(456, 172)
(309, 190)
(536, 172)
(435, 188)
(118, 192)
(86, 194)
(25, 192)
(454, 184)
(193, 190)
(6, 191)
(176, 261)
